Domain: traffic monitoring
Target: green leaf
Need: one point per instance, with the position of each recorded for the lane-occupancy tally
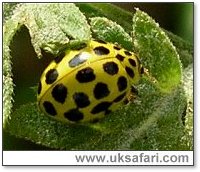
(52, 25)
(124, 18)
(7, 97)
(8, 10)
(110, 31)
(8, 85)
(108, 10)
(188, 116)
(156, 51)
(184, 49)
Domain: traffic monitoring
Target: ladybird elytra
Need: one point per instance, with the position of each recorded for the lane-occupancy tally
(85, 85)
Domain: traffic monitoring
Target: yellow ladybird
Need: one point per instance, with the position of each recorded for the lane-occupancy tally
(86, 84)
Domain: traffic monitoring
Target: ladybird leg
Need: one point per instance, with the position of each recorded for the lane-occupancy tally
(126, 101)
(148, 75)
(132, 95)
(134, 90)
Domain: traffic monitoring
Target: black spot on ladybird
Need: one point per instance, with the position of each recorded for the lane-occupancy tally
(74, 115)
(101, 50)
(116, 47)
(129, 71)
(49, 108)
(120, 57)
(59, 93)
(85, 75)
(39, 88)
(122, 83)
(103, 106)
(111, 68)
(59, 58)
(101, 90)
(132, 62)
(78, 59)
(51, 76)
(119, 98)
(81, 99)
(127, 53)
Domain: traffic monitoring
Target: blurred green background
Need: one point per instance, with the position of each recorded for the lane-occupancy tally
(174, 17)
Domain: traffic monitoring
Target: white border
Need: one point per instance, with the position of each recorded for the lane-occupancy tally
(196, 70)
(122, 158)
